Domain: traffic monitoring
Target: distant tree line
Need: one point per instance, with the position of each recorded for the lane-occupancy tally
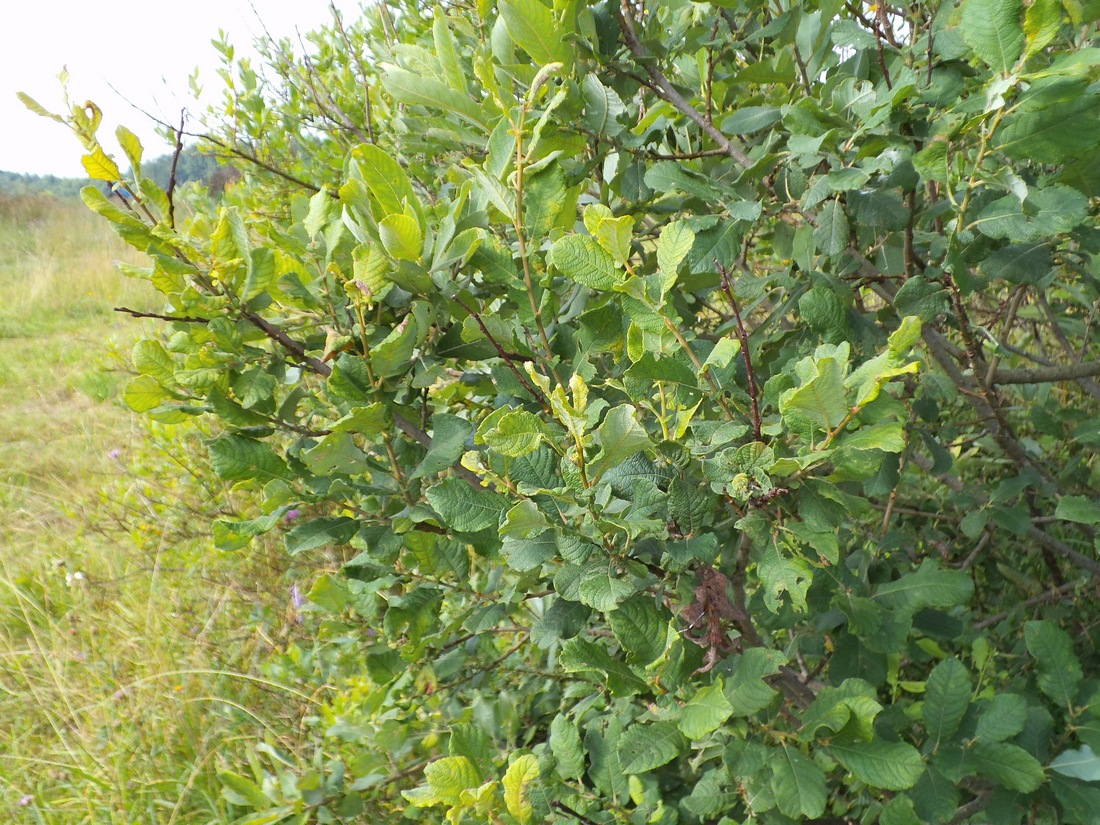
(191, 166)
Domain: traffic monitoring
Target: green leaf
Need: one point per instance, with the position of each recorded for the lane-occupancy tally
(368, 420)
(640, 627)
(563, 620)
(149, 357)
(601, 588)
(582, 259)
(749, 119)
(236, 458)
(821, 399)
(565, 744)
(523, 521)
(946, 699)
(1060, 670)
(320, 208)
(672, 247)
(928, 586)
(781, 574)
(525, 554)
(579, 656)
(1046, 213)
(832, 233)
(401, 236)
(992, 29)
(446, 51)
(705, 712)
(611, 233)
(513, 432)
(892, 766)
(921, 298)
(384, 177)
(543, 195)
(620, 436)
(465, 509)
(602, 107)
(533, 27)
(449, 434)
(1042, 22)
(645, 747)
(1081, 764)
(824, 311)
(99, 166)
(233, 535)
(746, 690)
(1019, 263)
(240, 791)
(1079, 509)
(446, 779)
(1060, 132)
(1001, 718)
(1009, 765)
(471, 741)
(798, 784)
(318, 532)
(131, 146)
(517, 779)
(393, 354)
(888, 436)
(418, 90)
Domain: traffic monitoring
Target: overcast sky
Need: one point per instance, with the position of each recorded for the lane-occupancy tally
(146, 49)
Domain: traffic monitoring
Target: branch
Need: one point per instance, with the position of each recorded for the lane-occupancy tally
(1053, 596)
(255, 161)
(565, 809)
(667, 91)
(744, 336)
(184, 319)
(535, 394)
(1057, 372)
(172, 175)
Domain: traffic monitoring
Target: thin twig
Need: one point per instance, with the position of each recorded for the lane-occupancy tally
(359, 63)
(184, 319)
(172, 175)
(535, 394)
(743, 334)
(565, 809)
(666, 90)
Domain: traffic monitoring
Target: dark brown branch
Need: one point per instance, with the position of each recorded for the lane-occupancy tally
(172, 174)
(565, 809)
(666, 90)
(1055, 595)
(743, 334)
(183, 319)
(314, 365)
(535, 394)
(255, 161)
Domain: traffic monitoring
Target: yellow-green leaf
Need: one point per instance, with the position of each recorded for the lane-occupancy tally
(520, 775)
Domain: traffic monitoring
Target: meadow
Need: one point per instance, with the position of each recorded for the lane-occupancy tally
(136, 661)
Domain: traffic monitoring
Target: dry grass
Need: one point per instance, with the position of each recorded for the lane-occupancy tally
(130, 650)
(57, 267)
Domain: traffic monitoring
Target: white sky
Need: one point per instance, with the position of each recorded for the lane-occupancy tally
(146, 49)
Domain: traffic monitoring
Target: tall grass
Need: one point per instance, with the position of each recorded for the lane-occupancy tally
(131, 652)
(57, 266)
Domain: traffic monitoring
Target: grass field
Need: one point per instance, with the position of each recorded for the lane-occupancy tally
(131, 652)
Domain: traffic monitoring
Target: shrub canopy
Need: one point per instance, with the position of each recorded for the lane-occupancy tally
(704, 396)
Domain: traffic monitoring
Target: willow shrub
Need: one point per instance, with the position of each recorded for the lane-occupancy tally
(702, 394)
